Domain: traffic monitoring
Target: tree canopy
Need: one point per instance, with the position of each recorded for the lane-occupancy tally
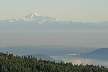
(11, 63)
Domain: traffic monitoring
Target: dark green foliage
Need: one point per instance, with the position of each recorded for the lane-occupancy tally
(11, 63)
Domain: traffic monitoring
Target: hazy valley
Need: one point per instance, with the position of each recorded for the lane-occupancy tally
(47, 38)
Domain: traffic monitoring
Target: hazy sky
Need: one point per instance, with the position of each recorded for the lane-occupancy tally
(86, 38)
(65, 10)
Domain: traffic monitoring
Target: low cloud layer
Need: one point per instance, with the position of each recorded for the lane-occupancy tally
(87, 61)
(79, 61)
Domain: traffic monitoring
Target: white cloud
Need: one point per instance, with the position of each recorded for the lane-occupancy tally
(79, 61)
(87, 61)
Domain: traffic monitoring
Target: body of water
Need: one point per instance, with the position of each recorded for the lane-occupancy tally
(77, 60)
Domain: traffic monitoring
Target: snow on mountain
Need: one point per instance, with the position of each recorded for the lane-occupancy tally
(33, 17)
(12, 20)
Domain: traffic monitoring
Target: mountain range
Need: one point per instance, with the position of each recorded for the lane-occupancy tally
(33, 17)
(35, 21)
(101, 54)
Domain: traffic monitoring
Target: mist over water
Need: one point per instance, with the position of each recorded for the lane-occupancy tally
(76, 60)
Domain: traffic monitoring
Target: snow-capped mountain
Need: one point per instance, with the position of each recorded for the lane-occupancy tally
(33, 17)
(35, 21)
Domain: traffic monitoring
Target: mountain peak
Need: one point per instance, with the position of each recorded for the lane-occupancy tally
(32, 15)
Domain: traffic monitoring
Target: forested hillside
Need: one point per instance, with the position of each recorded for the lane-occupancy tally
(100, 54)
(11, 63)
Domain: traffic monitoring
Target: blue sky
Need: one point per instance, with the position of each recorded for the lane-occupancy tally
(64, 10)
